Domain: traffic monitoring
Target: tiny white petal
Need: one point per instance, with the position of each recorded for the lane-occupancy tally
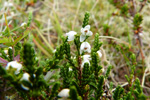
(6, 51)
(86, 59)
(70, 69)
(103, 70)
(54, 50)
(86, 31)
(71, 35)
(23, 24)
(10, 47)
(82, 30)
(89, 33)
(85, 47)
(25, 87)
(25, 77)
(99, 53)
(87, 27)
(74, 57)
(14, 64)
(82, 37)
(64, 93)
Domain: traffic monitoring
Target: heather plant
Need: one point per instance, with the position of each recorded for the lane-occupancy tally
(80, 66)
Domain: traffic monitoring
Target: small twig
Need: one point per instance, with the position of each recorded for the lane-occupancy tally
(80, 70)
(142, 5)
(121, 86)
(143, 79)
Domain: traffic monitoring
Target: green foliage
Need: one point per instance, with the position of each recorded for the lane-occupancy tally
(77, 43)
(73, 94)
(58, 56)
(106, 28)
(54, 91)
(117, 95)
(128, 96)
(28, 57)
(99, 89)
(137, 21)
(96, 68)
(4, 55)
(86, 19)
(17, 48)
(10, 53)
(67, 50)
(29, 19)
(139, 91)
(2, 71)
(97, 44)
(68, 53)
(108, 71)
(124, 10)
(85, 74)
(66, 75)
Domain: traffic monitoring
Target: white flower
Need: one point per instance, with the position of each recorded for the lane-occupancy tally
(25, 77)
(54, 50)
(6, 51)
(7, 4)
(70, 69)
(23, 24)
(85, 32)
(10, 47)
(64, 93)
(14, 64)
(71, 35)
(24, 87)
(86, 59)
(85, 47)
(99, 53)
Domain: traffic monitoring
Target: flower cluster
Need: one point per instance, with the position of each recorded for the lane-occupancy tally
(85, 46)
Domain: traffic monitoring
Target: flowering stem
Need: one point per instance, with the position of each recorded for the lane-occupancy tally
(79, 70)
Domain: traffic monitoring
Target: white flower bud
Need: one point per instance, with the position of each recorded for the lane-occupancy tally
(64, 93)
(85, 47)
(85, 59)
(71, 35)
(25, 77)
(14, 64)
(23, 24)
(99, 53)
